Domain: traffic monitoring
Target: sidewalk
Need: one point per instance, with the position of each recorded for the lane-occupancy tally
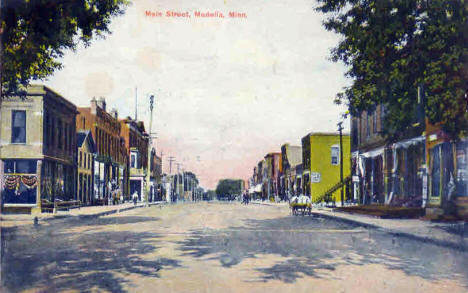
(8, 220)
(448, 234)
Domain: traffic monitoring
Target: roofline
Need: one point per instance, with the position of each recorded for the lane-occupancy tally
(326, 134)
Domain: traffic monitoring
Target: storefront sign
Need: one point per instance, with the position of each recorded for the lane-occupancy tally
(315, 177)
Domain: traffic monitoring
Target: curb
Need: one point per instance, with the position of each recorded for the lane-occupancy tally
(457, 246)
(99, 214)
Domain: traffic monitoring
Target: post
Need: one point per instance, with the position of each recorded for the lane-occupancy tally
(38, 188)
(340, 128)
(2, 182)
(150, 143)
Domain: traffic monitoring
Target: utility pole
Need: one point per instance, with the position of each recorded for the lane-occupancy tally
(340, 129)
(150, 143)
(162, 161)
(171, 159)
(136, 104)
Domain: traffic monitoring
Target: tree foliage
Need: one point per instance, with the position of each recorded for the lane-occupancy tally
(36, 33)
(392, 47)
(227, 188)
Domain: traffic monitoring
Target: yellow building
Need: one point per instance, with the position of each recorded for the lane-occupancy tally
(86, 151)
(321, 164)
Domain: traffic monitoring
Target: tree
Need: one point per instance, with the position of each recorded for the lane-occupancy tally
(228, 188)
(36, 33)
(393, 47)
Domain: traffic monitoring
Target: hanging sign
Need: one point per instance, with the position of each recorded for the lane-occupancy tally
(315, 177)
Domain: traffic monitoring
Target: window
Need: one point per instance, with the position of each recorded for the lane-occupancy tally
(46, 130)
(20, 166)
(80, 161)
(134, 160)
(374, 121)
(18, 127)
(367, 125)
(60, 134)
(335, 155)
(382, 116)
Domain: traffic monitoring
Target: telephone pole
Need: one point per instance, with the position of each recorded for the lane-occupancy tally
(171, 159)
(150, 145)
(340, 129)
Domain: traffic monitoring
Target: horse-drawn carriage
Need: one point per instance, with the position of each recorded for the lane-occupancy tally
(300, 205)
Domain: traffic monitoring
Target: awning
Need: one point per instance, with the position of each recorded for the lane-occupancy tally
(258, 188)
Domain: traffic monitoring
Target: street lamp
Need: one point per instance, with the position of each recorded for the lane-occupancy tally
(150, 144)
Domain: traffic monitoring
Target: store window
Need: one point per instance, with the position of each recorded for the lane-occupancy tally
(20, 166)
(18, 125)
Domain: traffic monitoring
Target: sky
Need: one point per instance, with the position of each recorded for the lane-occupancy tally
(227, 90)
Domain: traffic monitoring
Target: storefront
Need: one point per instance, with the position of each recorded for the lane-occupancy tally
(20, 182)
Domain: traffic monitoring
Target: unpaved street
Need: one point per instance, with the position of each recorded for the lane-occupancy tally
(221, 247)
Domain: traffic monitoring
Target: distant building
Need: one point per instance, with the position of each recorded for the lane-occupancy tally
(85, 160)
(136, 142)
(156, 177)
(321, 163)
(37, 148)
(273, 170)
(291, 156)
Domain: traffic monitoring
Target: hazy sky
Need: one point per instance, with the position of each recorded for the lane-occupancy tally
(228, 90)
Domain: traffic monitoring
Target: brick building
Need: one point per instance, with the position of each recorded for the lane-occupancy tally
(111, 155)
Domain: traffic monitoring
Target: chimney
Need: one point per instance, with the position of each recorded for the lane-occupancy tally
(114, 113)
(102, 103)
(93, 105)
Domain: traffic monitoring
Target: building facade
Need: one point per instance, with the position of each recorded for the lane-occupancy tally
(291, 156)
(447, 174)
(321, 163)
(110, 164)
(272, 173)
(85, 163)
(392, 173)
(136, 142)
(38, 148)
(156, 186)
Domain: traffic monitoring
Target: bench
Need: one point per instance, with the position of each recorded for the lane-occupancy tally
(49, 206)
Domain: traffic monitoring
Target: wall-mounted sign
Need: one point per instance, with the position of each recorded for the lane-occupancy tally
(315, 177)
(355, 178)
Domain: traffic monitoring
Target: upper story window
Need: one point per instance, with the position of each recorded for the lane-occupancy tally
(367, 125)
(374, 121)
(18, 127)
(60, 134)
(134, 160)
(335, 155)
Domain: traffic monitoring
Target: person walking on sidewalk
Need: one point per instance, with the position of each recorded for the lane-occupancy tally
(135, 198)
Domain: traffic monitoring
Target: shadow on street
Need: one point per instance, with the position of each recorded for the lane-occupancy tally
(315, 246)
(53, 258)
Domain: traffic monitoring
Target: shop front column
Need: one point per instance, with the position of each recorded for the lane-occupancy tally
(38, 208)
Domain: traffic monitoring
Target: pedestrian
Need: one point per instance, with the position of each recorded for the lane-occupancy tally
(121, 196)
(135, 198)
